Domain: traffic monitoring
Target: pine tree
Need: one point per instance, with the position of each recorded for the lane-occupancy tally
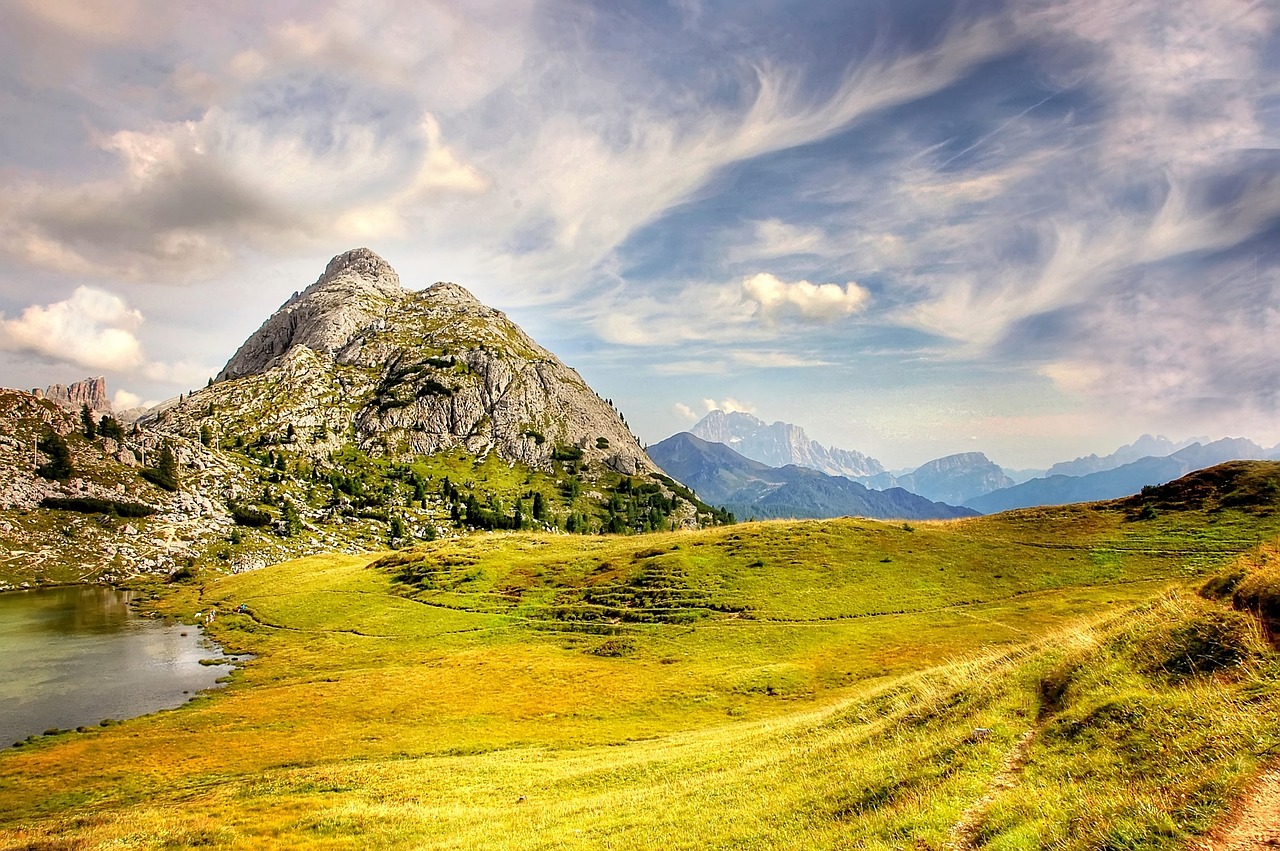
(86, 418)
(292, 520)
(59, 465)
(206, 435)
(165, 473)
(110, 427)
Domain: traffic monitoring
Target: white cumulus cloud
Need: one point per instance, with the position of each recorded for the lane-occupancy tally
(684, 412)
(729, 405)
(811, 301)
(93, 328)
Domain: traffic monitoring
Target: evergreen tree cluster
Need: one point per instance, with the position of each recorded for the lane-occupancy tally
(58, 467)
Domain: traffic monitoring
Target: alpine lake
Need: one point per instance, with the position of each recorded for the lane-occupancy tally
(75, 656)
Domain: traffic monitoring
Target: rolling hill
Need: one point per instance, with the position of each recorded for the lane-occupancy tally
(1017, 680)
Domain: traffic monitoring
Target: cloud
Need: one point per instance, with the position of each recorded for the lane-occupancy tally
(123, 400)
(729, 405)
(684, 412)
(1136, 352)
(801, 298)
(584, 153)
(93, 328)
(774, 359)
(188, 197)
(772, 238)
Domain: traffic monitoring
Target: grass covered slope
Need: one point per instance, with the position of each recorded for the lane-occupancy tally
(1034, 679)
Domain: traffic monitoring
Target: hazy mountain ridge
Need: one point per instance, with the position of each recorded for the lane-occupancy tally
(1146, 446)
(779, 444)
(951, 479)
(1119, 481)
(722, 476)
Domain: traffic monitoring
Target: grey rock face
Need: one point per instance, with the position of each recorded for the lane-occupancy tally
(780, 444)
(407, 373)
(355, 290)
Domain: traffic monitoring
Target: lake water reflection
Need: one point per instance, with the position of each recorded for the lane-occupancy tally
(70, 657)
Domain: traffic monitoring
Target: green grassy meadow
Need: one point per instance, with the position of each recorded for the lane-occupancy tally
(1043, 678)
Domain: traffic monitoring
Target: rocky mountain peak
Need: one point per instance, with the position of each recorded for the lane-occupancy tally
(356, 290)
(780, 444)
(447, 291)
(364, 265)
(407, 372)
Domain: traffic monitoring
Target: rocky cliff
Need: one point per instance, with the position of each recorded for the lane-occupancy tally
(956, 478)
(91, 392)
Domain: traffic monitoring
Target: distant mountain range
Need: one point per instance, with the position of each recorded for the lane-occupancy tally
(1119, 481)
(970, 478)
(781, 444)
(751, 488)
(1144, 447)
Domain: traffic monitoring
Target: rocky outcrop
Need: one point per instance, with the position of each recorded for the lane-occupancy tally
(406, 373)
(780, 444)
(91, 392)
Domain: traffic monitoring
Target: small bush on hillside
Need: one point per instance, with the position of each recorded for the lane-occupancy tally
(165, 474)
(566, 453)
(1221, 586)
(614, 647)
(110, 427)
(186, 573)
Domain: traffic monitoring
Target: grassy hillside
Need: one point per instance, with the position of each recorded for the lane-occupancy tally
(1033, 679)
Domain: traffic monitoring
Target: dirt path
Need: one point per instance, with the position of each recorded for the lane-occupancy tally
(965, 830)
(1256, 823)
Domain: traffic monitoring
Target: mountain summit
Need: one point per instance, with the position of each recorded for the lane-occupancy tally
(356, 289)
(403, 372)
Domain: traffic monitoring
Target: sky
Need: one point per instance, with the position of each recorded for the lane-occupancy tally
(1035, 229)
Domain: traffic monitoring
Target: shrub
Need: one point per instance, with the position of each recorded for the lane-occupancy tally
(165, 474)
(614, 648)
(566, 453)
(110, 427)
(1200, 639)
(247, 515)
